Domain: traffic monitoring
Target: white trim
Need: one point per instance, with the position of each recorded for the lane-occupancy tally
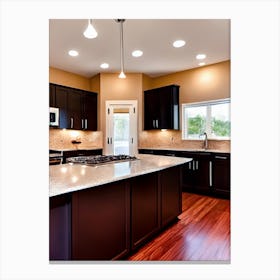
(208, 105)
(132, 105)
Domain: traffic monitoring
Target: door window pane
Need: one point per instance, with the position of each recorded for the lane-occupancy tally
(121, 133)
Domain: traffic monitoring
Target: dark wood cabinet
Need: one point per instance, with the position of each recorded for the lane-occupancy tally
(77, 108)
(161, 108)
(89, 111)
(208, 173)
(196, 174)
(221, 174)
(60, 228)
(110, 221)
(171, 198)
(61, 94)
(100, 222)
(145, 216)
(52, 96)
(74, 112)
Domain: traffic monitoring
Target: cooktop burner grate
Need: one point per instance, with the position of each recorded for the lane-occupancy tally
(99, 159)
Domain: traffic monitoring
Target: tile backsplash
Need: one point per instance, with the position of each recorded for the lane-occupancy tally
(171, 139)
(62, 139)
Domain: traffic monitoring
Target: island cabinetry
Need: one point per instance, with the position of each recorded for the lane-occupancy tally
(171, 198)
(60, 228)
(145, 208)
(100, 222)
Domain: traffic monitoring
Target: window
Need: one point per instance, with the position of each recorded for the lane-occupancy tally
(212, 117)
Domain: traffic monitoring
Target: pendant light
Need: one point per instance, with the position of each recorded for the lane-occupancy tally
(122, 74)
(90, 31)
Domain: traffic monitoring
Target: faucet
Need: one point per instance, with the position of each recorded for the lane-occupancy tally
(205, 142)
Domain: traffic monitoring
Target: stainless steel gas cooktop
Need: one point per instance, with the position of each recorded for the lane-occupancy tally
(99, 159)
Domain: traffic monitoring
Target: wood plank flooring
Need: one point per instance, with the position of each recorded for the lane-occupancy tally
(201, 234)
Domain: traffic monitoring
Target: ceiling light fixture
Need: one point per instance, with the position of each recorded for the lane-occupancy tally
(179, 43)
(104, 65)
(201, 56)
(137, 53)
(90, 31)
(121, 21)
(201, 63)
(73, 53)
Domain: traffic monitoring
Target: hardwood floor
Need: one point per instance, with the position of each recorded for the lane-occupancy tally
(201, 234)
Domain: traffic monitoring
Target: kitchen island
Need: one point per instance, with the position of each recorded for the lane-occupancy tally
(105, 212)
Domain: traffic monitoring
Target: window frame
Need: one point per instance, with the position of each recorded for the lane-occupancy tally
(208, 105)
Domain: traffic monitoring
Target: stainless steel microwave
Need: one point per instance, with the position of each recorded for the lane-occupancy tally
(54, 116)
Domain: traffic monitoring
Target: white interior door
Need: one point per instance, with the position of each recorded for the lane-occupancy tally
(121, 127)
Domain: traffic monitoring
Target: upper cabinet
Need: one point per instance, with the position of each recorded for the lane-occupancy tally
(161, 108)
(77, 108)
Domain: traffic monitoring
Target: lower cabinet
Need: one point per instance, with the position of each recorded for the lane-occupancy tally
(196, 174)
(171, 194)
(221, 174)
(100, 222)
(145, 215)
(110, 221)
(208, 173)
(60, 228)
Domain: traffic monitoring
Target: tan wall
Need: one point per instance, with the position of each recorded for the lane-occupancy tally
(200, 84)
(65, 78)
(204, 83)
(113, 88)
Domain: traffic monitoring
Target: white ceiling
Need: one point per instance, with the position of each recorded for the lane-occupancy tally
(154, 37)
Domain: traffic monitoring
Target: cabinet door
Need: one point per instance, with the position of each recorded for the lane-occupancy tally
(52, 101)
(74, 109)
(61, 102)
(221, 174)
(90, 111)
(101, 222)
(202, 166)
(151, 110)
(171, 194)
(145, 216)
(169, 108)
(60, 228)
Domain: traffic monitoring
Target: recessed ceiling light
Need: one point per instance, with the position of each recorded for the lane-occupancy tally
(104, 65)
(179, 43)
(73, 53)
(201, 63)
(201, 56)
(137, 53)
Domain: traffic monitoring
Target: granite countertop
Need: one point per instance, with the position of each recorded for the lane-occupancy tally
(66, 178)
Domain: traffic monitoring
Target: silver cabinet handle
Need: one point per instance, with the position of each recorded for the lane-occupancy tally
(193, 165)
(82, 123)
(190, 165)
(132, 140)
(85, 123)
(157, 123)
(111, 140)
(71, 122)
(210, 173)
(197, 164)
(220, 157)
(154, 123)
